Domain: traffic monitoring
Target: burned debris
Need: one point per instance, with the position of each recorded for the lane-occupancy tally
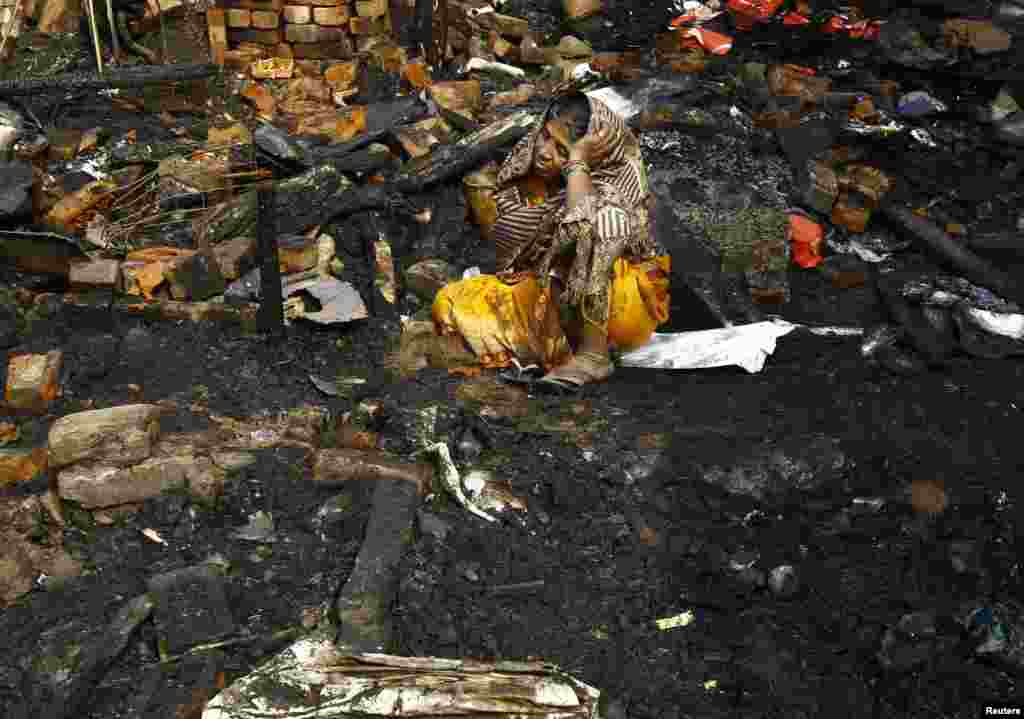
(587, 359)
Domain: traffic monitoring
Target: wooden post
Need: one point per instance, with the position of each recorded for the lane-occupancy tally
(271, 314)
(440, 48)
(91, 11)
(114, 39)
(423, 27)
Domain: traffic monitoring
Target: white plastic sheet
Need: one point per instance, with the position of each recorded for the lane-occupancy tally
(747, 346)
(1007, 325)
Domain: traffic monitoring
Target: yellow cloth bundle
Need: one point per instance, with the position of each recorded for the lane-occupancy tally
(500, 319)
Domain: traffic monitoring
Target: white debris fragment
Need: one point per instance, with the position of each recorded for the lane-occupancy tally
(478, 63)
(451, 481)
(153, 536)
(683, 619)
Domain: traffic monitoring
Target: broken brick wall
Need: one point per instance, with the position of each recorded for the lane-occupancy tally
(304, 29)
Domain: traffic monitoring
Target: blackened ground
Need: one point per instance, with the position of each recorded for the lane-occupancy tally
(810, 655)
(747, 653)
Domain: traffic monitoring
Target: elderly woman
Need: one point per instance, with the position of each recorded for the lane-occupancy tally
(575, 255)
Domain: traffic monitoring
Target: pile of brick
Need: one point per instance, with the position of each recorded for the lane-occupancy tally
(304, 29)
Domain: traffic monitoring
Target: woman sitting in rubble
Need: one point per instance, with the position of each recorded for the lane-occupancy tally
(576, 260)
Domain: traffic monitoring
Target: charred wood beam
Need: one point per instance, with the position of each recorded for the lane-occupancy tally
(447, 161)
(324, 192)
(921, 334)
(138, 76)
(96, 658)
(271, 316)
(973, 267)
(364, 619)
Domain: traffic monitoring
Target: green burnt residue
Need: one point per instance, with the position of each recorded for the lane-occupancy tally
(754, 241)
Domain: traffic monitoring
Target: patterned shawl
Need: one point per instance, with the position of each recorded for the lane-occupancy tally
(524, 234)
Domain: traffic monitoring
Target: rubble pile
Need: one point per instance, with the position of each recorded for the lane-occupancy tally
(414, 536)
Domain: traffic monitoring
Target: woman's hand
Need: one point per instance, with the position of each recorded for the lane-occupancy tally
(592, 147)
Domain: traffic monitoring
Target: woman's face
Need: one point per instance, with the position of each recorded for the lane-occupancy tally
(552, 150)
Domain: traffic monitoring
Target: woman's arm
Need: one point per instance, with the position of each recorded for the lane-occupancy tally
(589, 150)
(578, 186)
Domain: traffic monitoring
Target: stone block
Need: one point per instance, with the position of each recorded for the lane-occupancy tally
(340, 50)
(463, 97)
(333, 16)
(297, 253)
(266, 19)
(260, 37)
(95, 485)
(312, 34)
(33, 381)
(417, 74)
(342, 75)
(371, 8)
(241, 58)
(370, 25)
(298, 14)
(115, 436)
(59, 16)
(195, 277)
(95, 274)
(267, 5)
(144, 272)
(261, 98)
(338, 125)
(237, 17)
(21, 465)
